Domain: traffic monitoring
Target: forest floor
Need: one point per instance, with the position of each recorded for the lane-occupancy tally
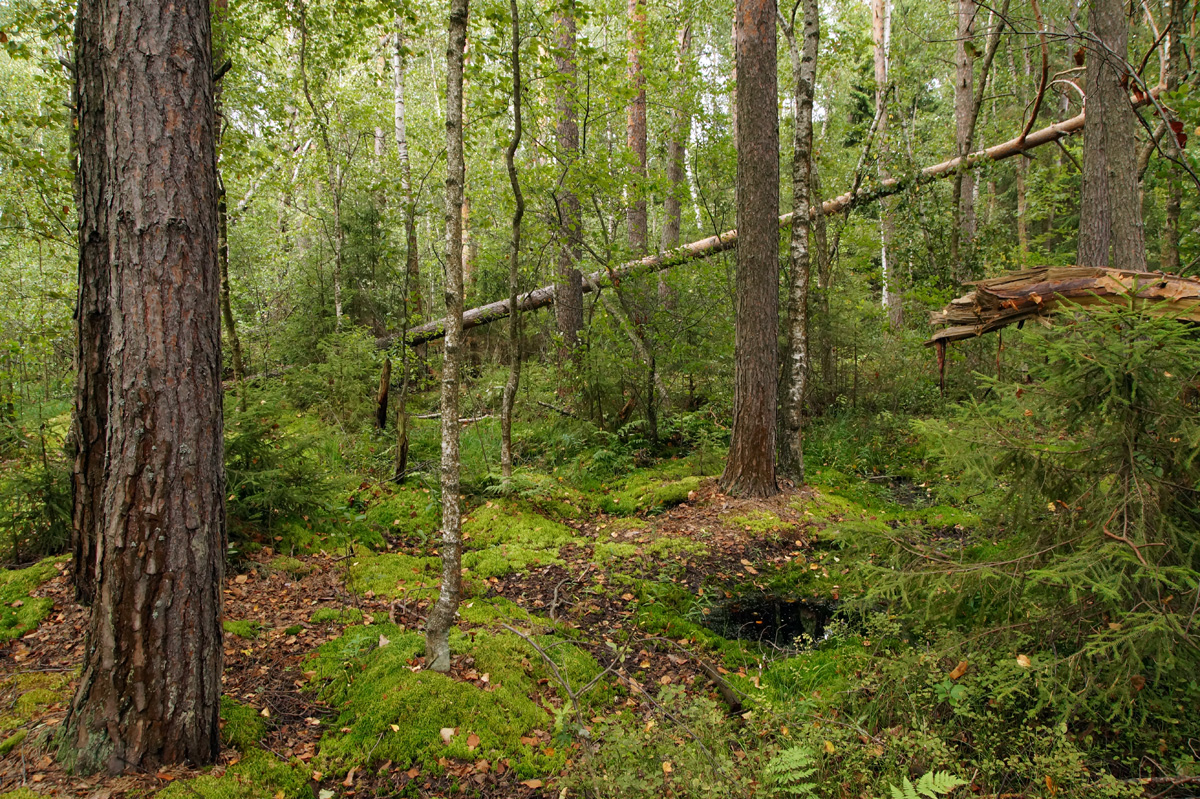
(574, 618)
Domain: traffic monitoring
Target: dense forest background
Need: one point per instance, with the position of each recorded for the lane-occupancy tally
(981, 575)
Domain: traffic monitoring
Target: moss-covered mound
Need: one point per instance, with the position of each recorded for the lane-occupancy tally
(392, 710)
(20, 613)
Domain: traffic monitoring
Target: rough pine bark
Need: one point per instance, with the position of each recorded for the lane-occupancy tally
(750, 468)
(796, 366)
(1110, 210)
(149, 691)
(509, 398)
(441, 617)
(568, 288)
(90, 425)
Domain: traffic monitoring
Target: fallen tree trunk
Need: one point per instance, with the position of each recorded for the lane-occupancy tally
(542, 297)
(1036, 293)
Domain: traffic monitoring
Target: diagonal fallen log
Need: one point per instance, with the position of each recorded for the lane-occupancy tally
(542, 297)
(1039, 292)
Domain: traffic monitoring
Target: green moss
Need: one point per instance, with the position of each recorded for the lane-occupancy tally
(242, 726)
(337, 616)
(648, 492)
(606, 551)
(506, 522)
(258, 775)
(827, 670)
(759, 521)
(34, 692)
(376, 689)
(245, 628)
(396, 574)
(12, 742)
(15, 588)
(410, 512)
(506, 559)
(666, 548)
(493, 611)
(21, 793)
(293, 566)
(295, 629)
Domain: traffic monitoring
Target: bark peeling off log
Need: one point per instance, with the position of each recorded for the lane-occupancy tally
(1036, 293)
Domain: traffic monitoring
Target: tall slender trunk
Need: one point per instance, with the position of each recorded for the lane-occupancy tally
(411, 254)
(1169, 248)
(881, 30)
(796, 364)
(149, 692)
(509, 398)
(824, 287)
(220, 11)
(1022, 165)
(568, 289)
(681, 128)
(90, 426)
(750, 468)
(636, 129)
(441, 617)
(963, 189)
(1110, 213)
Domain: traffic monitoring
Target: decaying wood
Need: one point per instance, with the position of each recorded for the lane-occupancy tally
(543, 297)
(1037, 293)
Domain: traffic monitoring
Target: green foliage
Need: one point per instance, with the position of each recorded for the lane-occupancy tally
(293, 567)
(339, 384)
(789, 771)
(337, 616)
(931, 785)
(271, 474)
(35, 499)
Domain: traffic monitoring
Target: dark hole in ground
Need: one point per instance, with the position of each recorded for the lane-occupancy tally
(777, 620)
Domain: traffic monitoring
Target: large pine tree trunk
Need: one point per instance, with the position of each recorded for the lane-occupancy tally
(568, 287)
(796, 366)
(91, 313)
(149, 693)
(441, 617)
(750, 469)
(509, 399)
(1110, 212)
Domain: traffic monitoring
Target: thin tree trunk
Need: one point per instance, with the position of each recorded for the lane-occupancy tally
(1022, 165)
(1110, 213)
(509, 398)
(681, 125)
(381, 396)
(796, 365)
(881, 28)
(1169, 248)
(235, 344)
(149, 692)
(90, 428)
(636, 129)
(750, 468)
(568, 289)
(411, 254)
(441, 617)
(963, 190)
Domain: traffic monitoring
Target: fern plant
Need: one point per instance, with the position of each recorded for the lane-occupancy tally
(789, 771)
(931, 785)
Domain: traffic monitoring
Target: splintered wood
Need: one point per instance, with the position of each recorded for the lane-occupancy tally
(1037, 293)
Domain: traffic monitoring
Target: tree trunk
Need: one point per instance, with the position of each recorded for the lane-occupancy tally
(681, 128)
(1110, 213)
(90, 428)
(441, 617)
(881, 29)
(963, 190)
(149, 693)
(235, 344)
(568, 289)
(411, 257)
(1169, 249)
(750, 469)
(636, 129)
(381, 396)
(509, 398)
(796, 365)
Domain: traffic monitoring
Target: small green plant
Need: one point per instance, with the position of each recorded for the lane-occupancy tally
(931, 785)
(789, 771)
